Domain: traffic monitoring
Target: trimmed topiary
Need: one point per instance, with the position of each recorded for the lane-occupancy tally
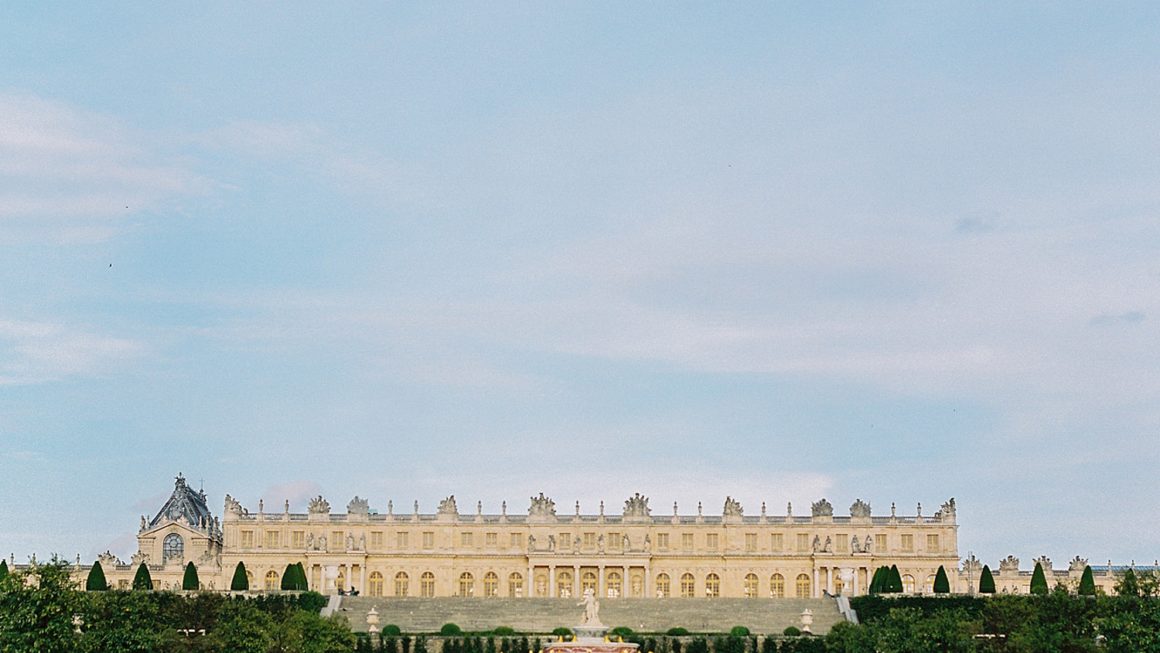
(190, 582)
(391, 630)
(3, 569)
(1087, 582)
(450, 630)
(621, 632)
(240, 581)
(791, 631)
(876, 581)
(1039, 581)
(739, 631)
(504, 631)
(894, 581)
(986, 581)
(294, 579)
(142, 580)
(677, 631)
(941, 584)
(96, 581)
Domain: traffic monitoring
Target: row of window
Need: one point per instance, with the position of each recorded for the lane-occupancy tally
(614, 588)
(590, 540)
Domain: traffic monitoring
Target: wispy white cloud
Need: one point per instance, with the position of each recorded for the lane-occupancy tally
(62, 169)
(38, 352)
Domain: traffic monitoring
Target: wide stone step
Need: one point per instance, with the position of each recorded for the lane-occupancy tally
(541, 615)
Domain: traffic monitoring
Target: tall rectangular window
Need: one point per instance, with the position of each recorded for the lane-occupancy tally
(711, 540)
(663, 541)
(590, 540)
(803, 541)
(908, 542)
(750, 542)
(687, 541)
(615, 541)
(516, 541)
(465, 539)
(376, 539)
(880, 543)
(401, 540)
(336, 542)
(428, 540)
(248, 539)
(776, 541)
(298, 539)
(932, 542)
(272, 539)
(842, 545)
(491, 539)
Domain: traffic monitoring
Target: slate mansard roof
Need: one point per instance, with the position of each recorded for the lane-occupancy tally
(184, 505)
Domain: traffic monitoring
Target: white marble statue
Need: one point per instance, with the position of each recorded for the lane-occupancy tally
(591, 608)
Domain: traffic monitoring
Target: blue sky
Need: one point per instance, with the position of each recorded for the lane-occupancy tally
(895, 251)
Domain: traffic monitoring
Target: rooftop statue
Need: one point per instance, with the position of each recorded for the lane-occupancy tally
(448, 507)
(822, 508)
(636, 506)
(358, 506)
(318, 506)
(732, 507)
(542, 506)
(860, 509)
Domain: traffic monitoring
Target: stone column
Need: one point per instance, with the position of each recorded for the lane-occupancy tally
(815, 589)
(648, 588)
(600, 583)
(575, 581)
(552, 581)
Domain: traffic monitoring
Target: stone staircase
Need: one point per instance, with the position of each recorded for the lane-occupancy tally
(542, 615)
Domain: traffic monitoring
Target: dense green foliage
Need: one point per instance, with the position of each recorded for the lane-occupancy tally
(391, 630)
(623, 632)
(986, 581)
(190, 581)
(1039, 581)
(893, 581)
(3, 569)
(450, 630)
(878, 581)
(240, 581)
(677, 631)
(941, 584)
(294, 578)
(739, 631)
(142, 580)
(96, 581)
(1087, 582)
(38, 607)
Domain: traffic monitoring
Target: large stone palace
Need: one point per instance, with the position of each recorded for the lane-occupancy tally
(541, 552)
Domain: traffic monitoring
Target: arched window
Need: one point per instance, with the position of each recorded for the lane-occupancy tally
(173, 547)
(466, 584)
(928, 587)
(491, 585)
(664, 588)
(402, 583)
(515, 585)
(614, 584)
(541, 584)
(271, 581)
(750, 586)
(688, 586)
(908, 584)
(588, 582)
(427, 585)
(637, 584)
(375, 584)
(340, 581)
(802, 590)
(777, 586)
(839, 585)
(564, 584)
(712, 586)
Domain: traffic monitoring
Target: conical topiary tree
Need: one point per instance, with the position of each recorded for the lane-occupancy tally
(190, 582)
(240, 582)
(96, 581)
(1039, 581)
(1087, 582)
(305, 582)
(3, 569)
(142, 580)
(986, 581)
(876, 581)
(294, 579)
(941, 584)
(894, 582)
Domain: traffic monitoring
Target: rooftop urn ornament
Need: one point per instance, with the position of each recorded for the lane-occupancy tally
(390, 508)
(893, 512)
(577, 507)
(286, 507)
(789, 511)
(807, 620)
(261, 506)
(763, 511)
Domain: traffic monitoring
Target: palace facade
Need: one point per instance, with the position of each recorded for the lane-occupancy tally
(539, 552)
